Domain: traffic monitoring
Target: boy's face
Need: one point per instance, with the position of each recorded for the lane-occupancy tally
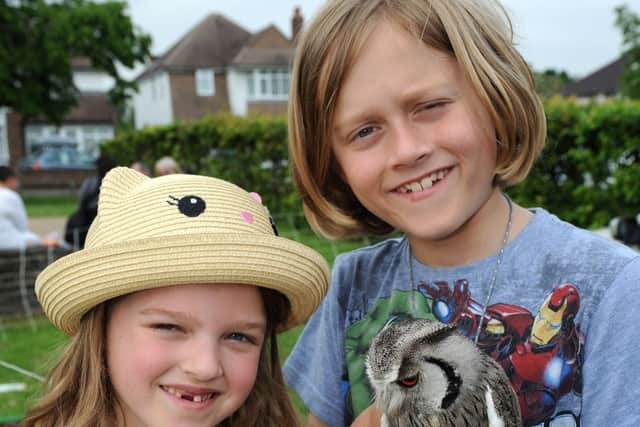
(412, 138)
(184, 355)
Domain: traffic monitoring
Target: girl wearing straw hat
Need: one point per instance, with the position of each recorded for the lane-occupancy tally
(173, 308)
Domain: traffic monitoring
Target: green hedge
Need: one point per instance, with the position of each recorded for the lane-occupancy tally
(250, 152)
(588, 172)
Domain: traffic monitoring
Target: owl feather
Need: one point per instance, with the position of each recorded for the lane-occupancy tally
(425, 374)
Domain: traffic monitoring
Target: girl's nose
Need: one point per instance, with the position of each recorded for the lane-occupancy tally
(203, 361)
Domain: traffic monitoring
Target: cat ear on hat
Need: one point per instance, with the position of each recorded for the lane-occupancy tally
(119, 182)
(115, 185)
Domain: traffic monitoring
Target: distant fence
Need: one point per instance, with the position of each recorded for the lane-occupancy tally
(18, 272)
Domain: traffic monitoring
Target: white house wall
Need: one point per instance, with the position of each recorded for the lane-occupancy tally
(237, 88)
(152, 102)
(90, 81)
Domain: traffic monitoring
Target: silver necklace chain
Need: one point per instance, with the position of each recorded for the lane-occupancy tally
(494, 276)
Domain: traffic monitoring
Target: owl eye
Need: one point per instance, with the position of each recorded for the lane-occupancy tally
(408, 382)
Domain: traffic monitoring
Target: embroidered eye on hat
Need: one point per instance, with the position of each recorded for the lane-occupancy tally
(176, 230)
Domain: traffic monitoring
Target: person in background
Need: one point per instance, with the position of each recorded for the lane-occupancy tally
(79, 222)
(166, 165)
(141, 167)
(14, 223)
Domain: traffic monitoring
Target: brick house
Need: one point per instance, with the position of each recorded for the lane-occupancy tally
(218, 66)
(89, 123)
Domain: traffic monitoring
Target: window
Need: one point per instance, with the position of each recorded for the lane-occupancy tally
(205, 82)
(268, 85)
(251, 86)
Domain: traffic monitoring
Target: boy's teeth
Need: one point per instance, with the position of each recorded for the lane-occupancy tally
(414, 186)
(426, 182)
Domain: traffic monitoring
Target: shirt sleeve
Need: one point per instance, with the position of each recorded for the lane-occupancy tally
(612, 355)
(314, 367)
(19, 213)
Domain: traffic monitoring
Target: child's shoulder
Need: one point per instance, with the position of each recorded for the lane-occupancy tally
(552, 234)
(388, 248)
(373, 259)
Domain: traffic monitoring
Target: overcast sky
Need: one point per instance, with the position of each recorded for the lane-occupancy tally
(577, 36)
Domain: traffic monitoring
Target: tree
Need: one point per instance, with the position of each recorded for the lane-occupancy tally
(38, 40)
(549, 82)
(629, 23)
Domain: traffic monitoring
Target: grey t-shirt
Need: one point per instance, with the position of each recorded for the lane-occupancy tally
(562, 318)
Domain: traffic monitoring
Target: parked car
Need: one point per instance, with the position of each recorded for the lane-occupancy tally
(57, 154)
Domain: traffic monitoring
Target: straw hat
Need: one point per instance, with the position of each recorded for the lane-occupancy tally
(177, 230)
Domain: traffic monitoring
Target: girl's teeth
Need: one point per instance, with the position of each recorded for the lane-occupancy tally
(196, 398)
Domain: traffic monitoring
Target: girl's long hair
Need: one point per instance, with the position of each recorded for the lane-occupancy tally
(78, 391)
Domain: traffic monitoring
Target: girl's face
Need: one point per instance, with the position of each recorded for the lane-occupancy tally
(412, 139)
(184, 355)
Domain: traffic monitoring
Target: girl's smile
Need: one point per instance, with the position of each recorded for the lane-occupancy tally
(184, 355)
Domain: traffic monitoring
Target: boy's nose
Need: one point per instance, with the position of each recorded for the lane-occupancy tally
(410, 145)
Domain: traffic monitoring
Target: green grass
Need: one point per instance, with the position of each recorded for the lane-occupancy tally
(30, 346)
(46, 205)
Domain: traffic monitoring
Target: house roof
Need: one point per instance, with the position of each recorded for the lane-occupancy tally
(604, 81)
(91, 108)
(212, 43)
(267, 47)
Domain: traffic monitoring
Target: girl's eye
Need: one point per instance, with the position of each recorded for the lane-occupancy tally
(364, 132)
(240, 337)
(170, 327)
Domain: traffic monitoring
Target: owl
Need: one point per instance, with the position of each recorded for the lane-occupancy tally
(424, 373)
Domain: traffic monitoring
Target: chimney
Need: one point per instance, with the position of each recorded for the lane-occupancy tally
(296, 23)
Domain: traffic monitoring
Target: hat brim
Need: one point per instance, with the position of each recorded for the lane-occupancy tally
(74, 284)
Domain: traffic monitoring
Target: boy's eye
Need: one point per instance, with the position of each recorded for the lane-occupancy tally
(432, 105)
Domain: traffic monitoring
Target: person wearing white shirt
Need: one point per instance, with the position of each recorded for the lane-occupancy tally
(14, 223)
